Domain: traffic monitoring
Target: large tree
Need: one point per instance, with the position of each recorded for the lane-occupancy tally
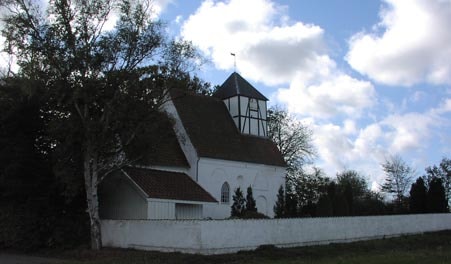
(103, 87)
(308, 187)
(443, 172)
(34, 213)
(436, 198)
(292, 137)
(353, 186)
(399, 176)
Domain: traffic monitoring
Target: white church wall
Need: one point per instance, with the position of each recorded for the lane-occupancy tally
(120, 199)
(227, 236)
(265, 181)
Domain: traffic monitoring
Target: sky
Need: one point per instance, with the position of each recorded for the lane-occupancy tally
(370, 78)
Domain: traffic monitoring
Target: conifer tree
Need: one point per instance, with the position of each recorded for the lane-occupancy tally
(250, 201)
(238, 206)
(417, 199)
(279, 207)
(436, 197)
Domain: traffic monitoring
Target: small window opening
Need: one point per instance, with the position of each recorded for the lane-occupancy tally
(225, 193)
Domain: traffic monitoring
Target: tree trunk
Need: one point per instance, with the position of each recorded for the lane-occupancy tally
(91, 182)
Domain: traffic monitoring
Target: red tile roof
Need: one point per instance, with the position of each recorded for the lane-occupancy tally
(165, 149)
(169, 185)
(214, 134)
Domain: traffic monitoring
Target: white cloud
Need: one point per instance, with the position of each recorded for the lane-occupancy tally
(409, 45)
(408, 131)
(444, 107)
(339, 151)
(365, 148)
(413, 130)
(334, 95)
(349, 127)
(158, 6)
(268, 48)
(275, 51)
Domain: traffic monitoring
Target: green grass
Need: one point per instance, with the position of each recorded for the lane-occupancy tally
(424, 249)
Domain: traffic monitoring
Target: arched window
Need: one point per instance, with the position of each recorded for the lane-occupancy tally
(225, 193)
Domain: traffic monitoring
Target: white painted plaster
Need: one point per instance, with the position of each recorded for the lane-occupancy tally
(227, 236)
(213, 173)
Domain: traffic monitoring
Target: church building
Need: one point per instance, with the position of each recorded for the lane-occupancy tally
(213, 145)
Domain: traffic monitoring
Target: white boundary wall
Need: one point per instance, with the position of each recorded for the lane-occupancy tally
(227, 236)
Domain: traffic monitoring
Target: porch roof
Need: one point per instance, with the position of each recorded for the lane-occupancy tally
(169, 185)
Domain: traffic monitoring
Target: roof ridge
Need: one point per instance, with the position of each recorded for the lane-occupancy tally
(176, 93)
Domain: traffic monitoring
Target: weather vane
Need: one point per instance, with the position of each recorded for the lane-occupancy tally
(234, 61)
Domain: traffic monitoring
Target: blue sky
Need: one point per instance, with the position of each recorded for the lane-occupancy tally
(371, 78)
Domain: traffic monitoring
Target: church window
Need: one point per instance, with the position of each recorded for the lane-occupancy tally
(225, 193)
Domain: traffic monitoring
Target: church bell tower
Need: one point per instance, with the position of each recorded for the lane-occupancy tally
(246, 105)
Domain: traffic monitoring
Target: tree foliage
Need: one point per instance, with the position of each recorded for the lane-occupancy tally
(418, 197)
(304, 190)
(279, 207)
(436, 197)
(398, 177)
(292, 137)
(324, 207)
(239, 203)
(102, 88)
(353, 186)
(34, 213)
(348, 194)
(371, 203)
(354, 180)
(250, 201)
(443, 172)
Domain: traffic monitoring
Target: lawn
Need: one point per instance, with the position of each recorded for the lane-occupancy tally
(426, 248)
